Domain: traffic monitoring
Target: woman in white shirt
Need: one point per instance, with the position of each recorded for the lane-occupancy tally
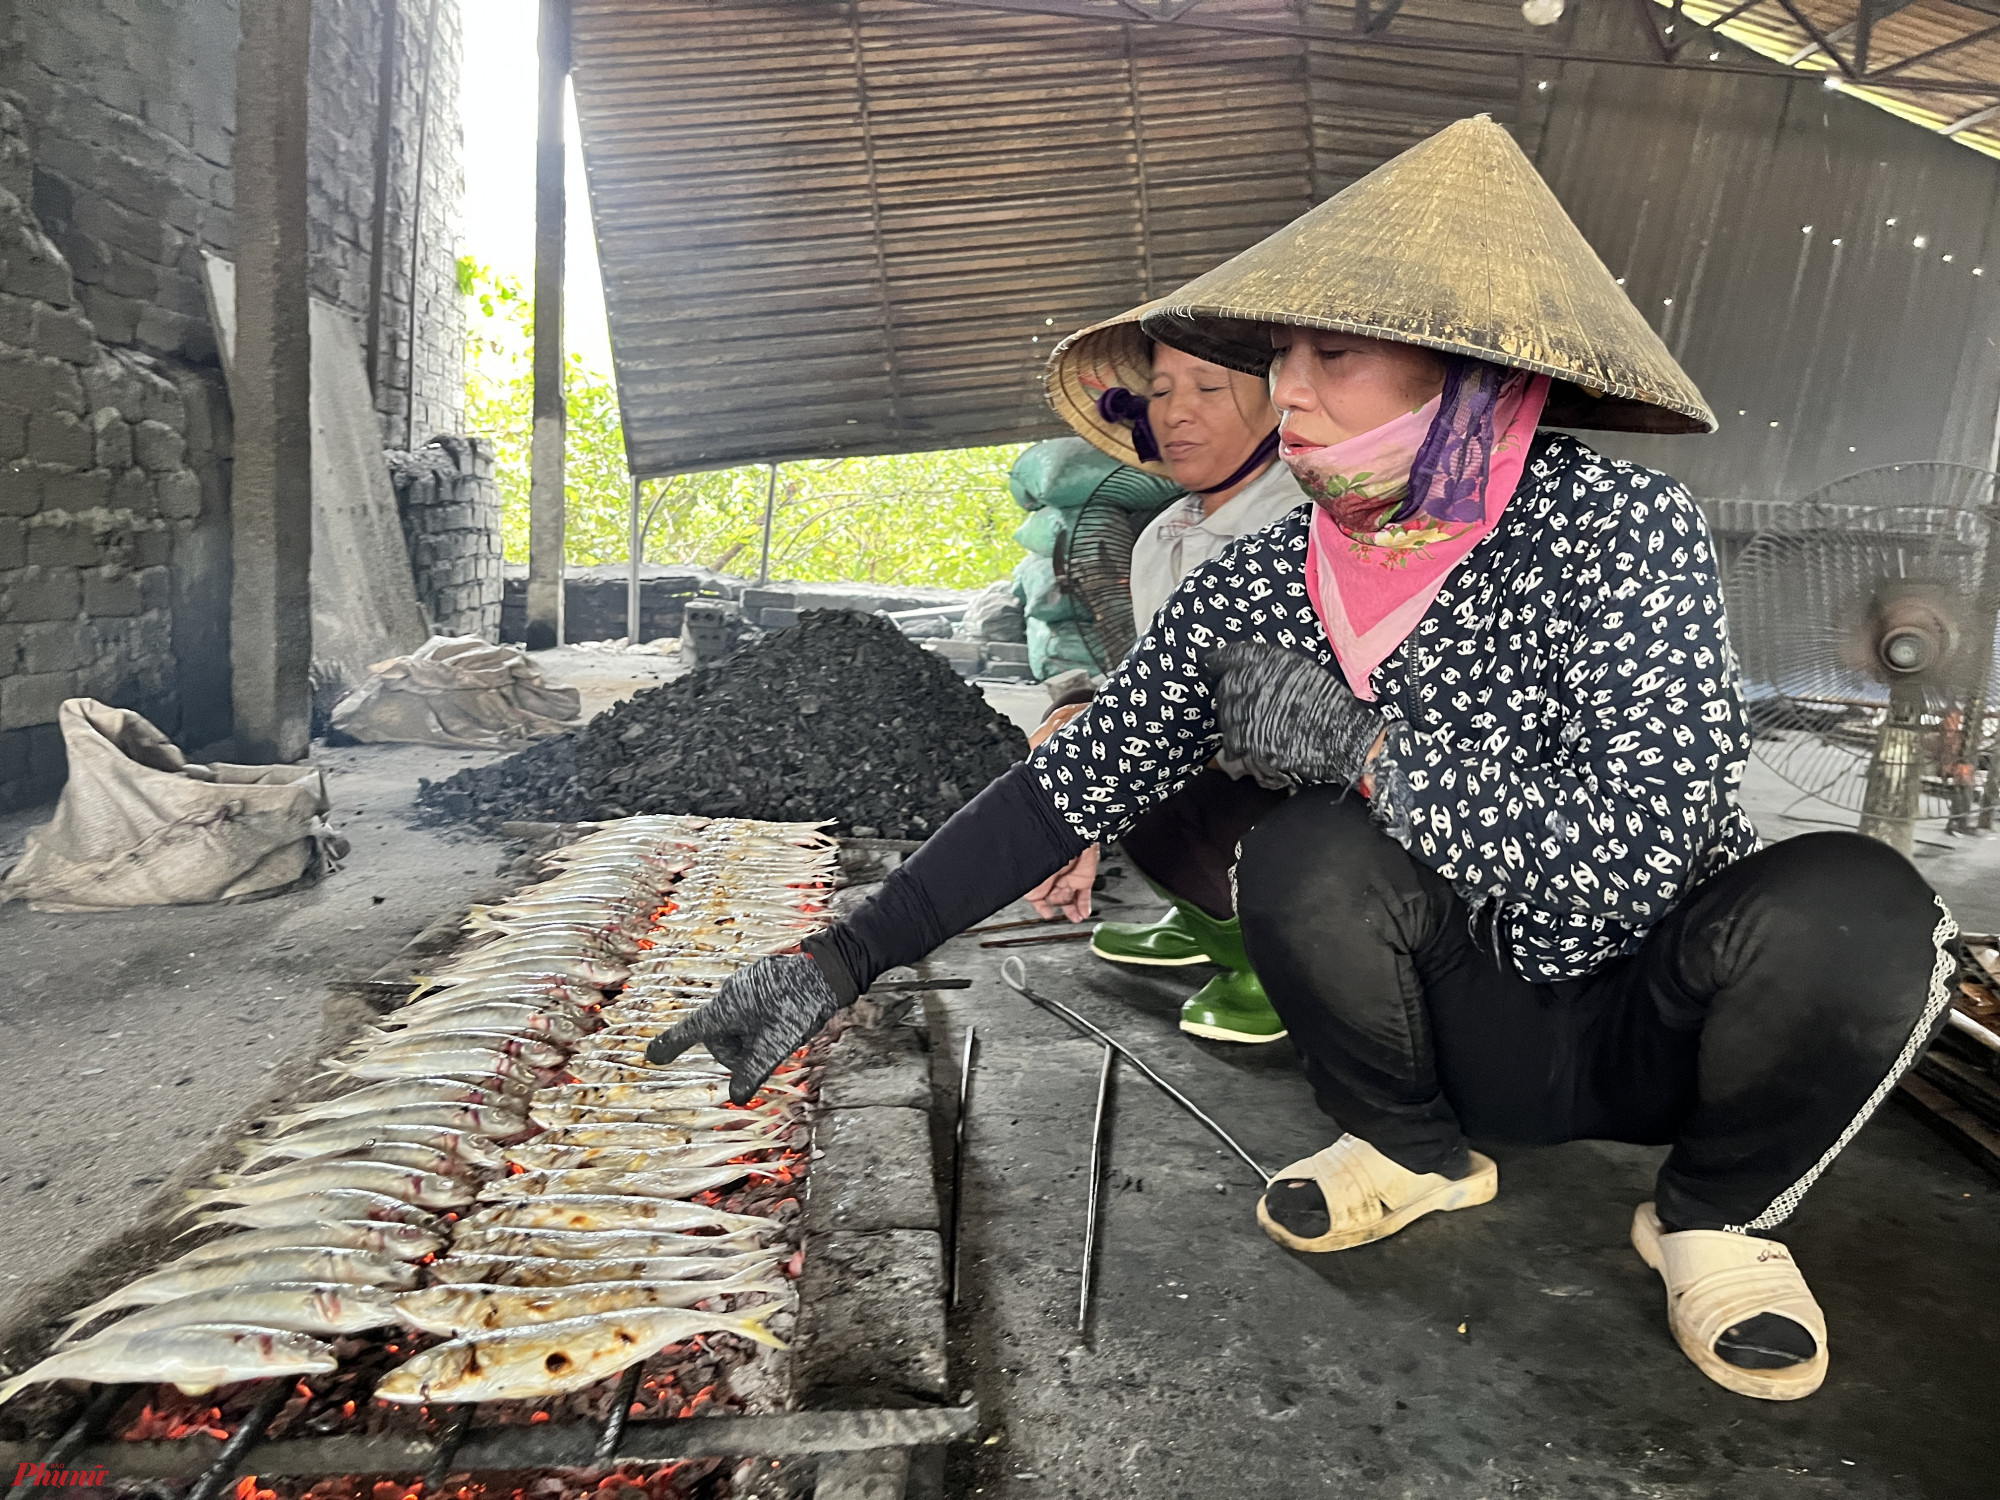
(1214, 432)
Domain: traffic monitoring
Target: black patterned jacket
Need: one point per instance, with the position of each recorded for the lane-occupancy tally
(1567, 733)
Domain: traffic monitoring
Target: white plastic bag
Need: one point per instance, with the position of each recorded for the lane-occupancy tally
(138, 825)
(457, 690)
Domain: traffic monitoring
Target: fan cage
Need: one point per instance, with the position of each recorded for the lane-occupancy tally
(1801, 600)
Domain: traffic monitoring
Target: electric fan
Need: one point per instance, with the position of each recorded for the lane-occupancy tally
(1865, 627)
(1093, 558)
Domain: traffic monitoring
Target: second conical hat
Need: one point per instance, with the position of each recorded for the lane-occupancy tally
(1456, 245)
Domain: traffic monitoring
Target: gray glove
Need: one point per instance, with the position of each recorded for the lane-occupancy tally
(1283, 715)
(761, 1016)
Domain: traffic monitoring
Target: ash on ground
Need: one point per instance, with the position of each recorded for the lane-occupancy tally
(839, 717)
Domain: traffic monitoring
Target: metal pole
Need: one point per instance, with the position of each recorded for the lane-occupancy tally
(635, 550)
(1015, 973)
(770, 506)
(958, 1160)
(545, 485)
(270, 598)
(1096, 1172)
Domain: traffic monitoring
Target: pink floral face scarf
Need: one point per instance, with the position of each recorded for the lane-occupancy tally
(1396, 509)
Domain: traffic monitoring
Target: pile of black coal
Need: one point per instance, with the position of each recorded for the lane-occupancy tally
(837, 717)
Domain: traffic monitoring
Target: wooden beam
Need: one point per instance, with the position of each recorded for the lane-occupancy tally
(270, 597)
(545, 481)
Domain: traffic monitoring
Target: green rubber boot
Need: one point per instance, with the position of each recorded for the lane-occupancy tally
(1232, 1007)
(1172, 941)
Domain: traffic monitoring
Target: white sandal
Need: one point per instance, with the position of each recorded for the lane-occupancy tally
(1368, 1197)
(1717, 1280)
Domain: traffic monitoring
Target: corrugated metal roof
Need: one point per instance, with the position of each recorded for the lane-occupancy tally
(1970, 40)
(857, 227)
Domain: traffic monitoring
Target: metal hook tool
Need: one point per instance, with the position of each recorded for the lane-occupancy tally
(958, 1157)
(1015, 973)
(1096, 1175)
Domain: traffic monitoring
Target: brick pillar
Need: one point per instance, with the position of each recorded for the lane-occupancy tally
(270, 602)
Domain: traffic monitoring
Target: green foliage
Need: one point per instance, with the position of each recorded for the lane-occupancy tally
(943, 518)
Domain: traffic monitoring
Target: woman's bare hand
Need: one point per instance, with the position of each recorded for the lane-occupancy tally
(1068, 890)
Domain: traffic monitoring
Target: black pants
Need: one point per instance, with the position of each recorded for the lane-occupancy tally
(1187, 845)
(1755, 1030)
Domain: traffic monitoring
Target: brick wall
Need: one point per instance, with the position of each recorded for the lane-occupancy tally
(451, 520)
(116, 123)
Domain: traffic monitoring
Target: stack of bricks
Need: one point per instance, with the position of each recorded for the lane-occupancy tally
(451, 520)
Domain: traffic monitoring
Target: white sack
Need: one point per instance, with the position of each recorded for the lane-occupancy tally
(138, 825)
(457, 690)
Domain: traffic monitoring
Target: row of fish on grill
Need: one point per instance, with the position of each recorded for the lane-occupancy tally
(505, 1168)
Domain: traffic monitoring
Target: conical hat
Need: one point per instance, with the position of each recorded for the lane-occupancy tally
(1457, 245)
(1089, 362)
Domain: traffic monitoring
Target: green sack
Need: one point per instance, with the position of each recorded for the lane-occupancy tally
(1065, 472)
(1042, 530)
(1042, 596)
(1055, 649)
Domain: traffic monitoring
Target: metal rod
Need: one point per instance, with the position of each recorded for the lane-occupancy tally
(103, 1406)
(621, 1410)
(1015, 973)
(770, 507)
(1012, 926)
(457, 1423)
(916, 986)
(1961, 1022)
(1037, 940)
(545, 1445)
(958, 1160)
(247, 1432)
(635, 549)
(1096, 1171)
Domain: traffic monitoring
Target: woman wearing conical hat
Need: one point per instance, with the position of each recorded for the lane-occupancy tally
(1514, 895)
(1213, 431)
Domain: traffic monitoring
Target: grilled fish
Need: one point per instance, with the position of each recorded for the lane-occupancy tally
(425, 1189)
(466, 1061)
(536, 1155)
(662, 1182)
(196, 1358)
(551, 1270)
(594, 1244)
(398, 1241)
(751, 1129)
(409, 1155)
(181, 1279)
(393, 1094)
(475, 1306)
(546, 1359)
(421, 1044)
(362, 1135)
(322, 1307)
(571, 1211)
(311, 1208)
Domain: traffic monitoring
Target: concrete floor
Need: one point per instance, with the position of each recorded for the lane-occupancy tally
(1519, 1349)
